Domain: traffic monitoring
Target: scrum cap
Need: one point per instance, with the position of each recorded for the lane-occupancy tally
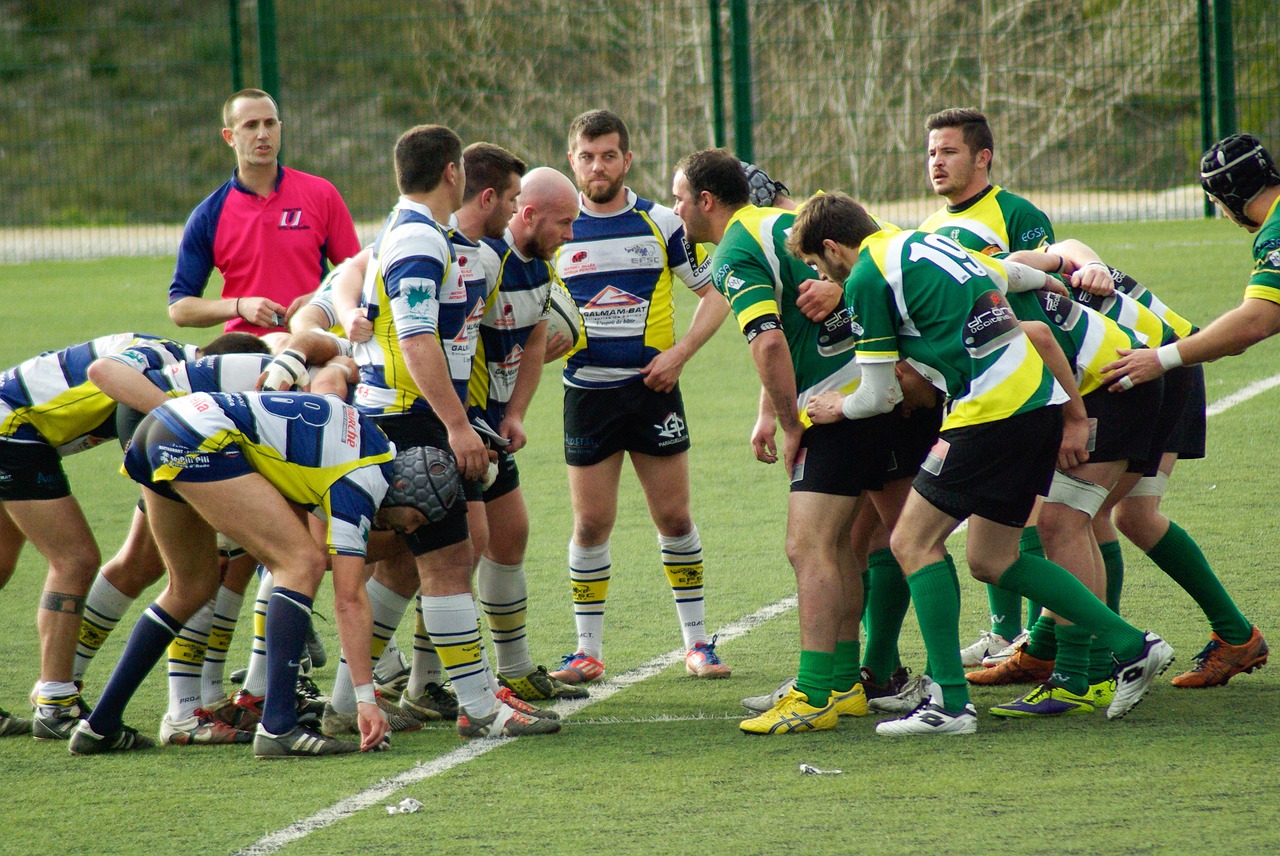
(425, 478)
(1235, 170)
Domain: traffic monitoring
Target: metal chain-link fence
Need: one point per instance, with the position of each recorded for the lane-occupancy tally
(109, 124)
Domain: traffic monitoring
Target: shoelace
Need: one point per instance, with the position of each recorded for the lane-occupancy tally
(1203, 657)
(308, 688)
(709, 649)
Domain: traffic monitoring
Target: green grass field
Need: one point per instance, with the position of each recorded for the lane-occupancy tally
(659, 766)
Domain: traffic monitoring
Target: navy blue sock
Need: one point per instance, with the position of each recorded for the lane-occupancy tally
(288, 617)
(147, 644)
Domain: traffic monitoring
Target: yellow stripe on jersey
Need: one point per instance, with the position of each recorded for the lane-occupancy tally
(660, 328)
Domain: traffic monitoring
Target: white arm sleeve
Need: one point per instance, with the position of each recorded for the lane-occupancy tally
(1024, 278)
(878, 392)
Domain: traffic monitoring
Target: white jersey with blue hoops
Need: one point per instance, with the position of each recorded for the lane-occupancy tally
(316, 450)
(516, 305)
(621, 268)
(410, 289)
(49, 399)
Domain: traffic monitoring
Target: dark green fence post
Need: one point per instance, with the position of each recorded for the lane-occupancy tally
(717, 78)
(1225, 67)
(1206, 88)
(743, 118)
(237, 73)
(268, 55)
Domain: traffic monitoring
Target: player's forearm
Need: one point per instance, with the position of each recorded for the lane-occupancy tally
(530, 373)
(772, 356)
(202, 311)
(353, 616)
(348, 282)
(123, 384)
(710, 314)
(1236, 331)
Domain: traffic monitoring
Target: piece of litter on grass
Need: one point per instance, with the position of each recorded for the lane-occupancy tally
(810, 770)
(408, 805)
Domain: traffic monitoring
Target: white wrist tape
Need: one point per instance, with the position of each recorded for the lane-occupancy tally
(288, 367)
(1024, 278)
(364, 694)
(1169, 355)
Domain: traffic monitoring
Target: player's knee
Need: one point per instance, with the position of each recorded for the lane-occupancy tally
(73, 572)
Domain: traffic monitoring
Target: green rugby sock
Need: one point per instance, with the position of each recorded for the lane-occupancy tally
(1006, 611)
(848, 659)
(1102, 666)
(814, 677)
(1042, 641)
(1179, 556)
(935, 596)
(1051, 585)
(1029, 543)
(887, 600)
(1071, 669)
(1113, 561)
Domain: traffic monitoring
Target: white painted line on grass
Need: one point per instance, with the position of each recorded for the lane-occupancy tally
(380, 791)
(1242, 395)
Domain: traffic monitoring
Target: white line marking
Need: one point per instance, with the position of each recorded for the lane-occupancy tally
(380, 791)
(384, 789)
(1242, 395)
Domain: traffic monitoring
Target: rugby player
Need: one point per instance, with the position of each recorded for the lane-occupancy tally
(797, 358)
(622, 392)
(985, 218)
(407, 388)
(49, 409)
(246, 464)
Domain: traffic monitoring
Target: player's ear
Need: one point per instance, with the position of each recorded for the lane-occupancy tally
(226, 136)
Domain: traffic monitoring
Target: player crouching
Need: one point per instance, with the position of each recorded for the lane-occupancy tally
(247, 465)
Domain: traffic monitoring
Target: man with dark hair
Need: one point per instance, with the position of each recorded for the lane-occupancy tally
(997, 449)
(829, 466)
(269, 231)
(986, 218)
(407, 386)
(621, 387)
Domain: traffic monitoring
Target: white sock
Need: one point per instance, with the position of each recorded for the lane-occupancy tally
(255, 682)
(589, 570)
(50, 690)
(503, 593)
(682, 561)
(344, 691)
(494, 686)
(389, 664)
(426, 667)
(226, 612)
(104, 606)
(388, 610)
(186, 660)
(454, 628)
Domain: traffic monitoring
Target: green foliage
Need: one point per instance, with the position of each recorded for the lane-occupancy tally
(660, 767)
(124, 96)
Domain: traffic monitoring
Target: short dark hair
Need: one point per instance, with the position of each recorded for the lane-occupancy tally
(235, 343)
(833, 216)
(229, 106)
(598, 123)
(719, 172)
(421, 154)
(489, 165)
(972, 124)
